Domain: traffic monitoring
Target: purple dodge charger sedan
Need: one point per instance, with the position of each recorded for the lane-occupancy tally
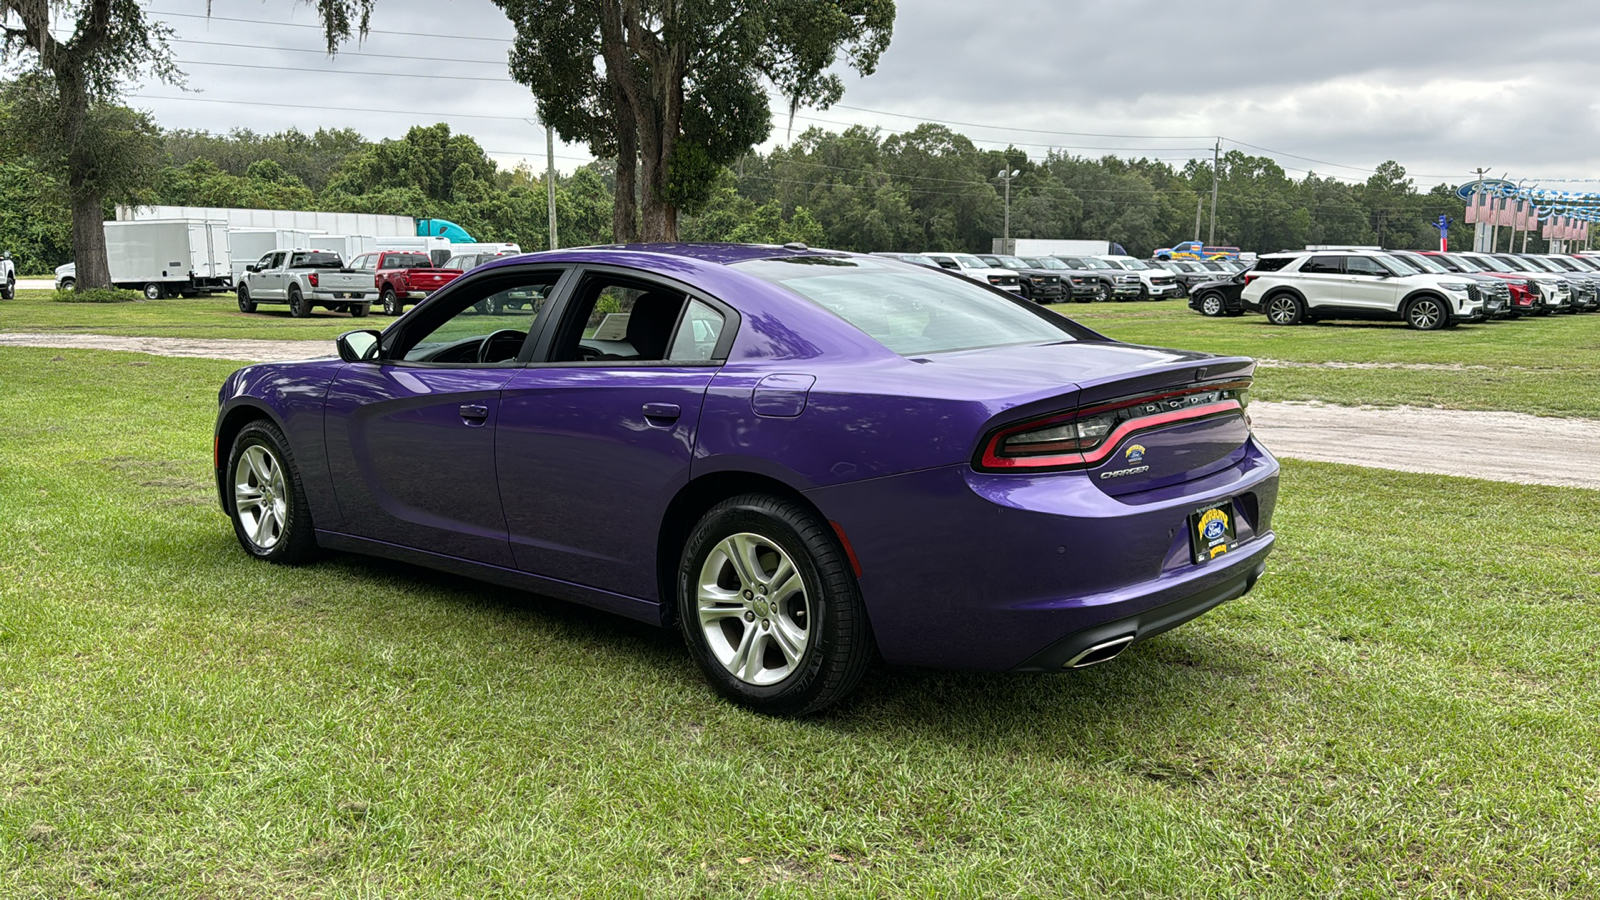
(798, 457)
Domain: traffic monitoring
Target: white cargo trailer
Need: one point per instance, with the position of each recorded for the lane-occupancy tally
(1053, 247)
(300, 220)
(438, 249)
(348, 246)
(170, 256)
(250, 244)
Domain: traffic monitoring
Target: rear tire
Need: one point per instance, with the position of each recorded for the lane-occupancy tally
(359, 310)
(391, 303)
(1285, 309)
(299, 307)
(246, 305)
(770, 609)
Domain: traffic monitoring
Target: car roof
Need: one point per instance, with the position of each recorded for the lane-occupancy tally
(722, 254)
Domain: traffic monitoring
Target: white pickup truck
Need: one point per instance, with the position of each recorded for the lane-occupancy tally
(306, 279)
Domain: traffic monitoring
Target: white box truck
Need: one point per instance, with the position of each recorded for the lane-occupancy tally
(1053, 247)
(249, 245)
(165, 257)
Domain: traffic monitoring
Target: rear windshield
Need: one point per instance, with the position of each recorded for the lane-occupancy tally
(408, 261)
(316, 260)
(908, 310)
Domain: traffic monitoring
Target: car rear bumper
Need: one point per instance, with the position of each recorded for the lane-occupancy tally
(961, 569)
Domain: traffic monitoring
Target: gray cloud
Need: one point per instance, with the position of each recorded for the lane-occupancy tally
(1440, 86)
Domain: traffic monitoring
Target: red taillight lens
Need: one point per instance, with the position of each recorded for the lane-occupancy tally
(1250, 276)
(1082, 438)
(311, 279)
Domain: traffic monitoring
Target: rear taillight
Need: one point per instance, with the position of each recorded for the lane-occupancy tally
(1250, 276)
(311, 279)
(1074, 440)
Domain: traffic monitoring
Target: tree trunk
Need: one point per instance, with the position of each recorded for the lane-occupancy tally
(88, 208)
(625, 208)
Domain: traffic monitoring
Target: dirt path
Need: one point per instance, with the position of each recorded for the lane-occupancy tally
(1498, 446)
(218, 348)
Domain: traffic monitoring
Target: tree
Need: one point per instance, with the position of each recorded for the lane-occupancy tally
(73, 126)
(679, 91)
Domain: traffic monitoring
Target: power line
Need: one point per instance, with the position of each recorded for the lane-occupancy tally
(432, 77)
(430, 35)
(322, 108)
(342, 54)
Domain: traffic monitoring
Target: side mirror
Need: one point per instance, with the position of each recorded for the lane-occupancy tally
(358, 346)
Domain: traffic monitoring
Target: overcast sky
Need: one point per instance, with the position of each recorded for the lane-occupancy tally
(1442, 87)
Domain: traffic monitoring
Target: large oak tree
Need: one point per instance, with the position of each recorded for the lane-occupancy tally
(673, 89)
(66, 104)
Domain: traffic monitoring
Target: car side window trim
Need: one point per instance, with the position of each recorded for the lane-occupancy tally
(566, 295)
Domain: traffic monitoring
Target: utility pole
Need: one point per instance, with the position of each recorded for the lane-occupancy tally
(550, 181)
(1005, 236)
(1199, 204)
(1216, 180)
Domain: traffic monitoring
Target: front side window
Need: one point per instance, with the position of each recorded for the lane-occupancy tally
(485, 324)
(911, 312)
(265, 262)
(1361, 265)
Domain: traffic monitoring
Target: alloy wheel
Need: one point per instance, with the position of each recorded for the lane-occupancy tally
(1282, 310)
(260, 496)
(1426, 315)
(754, 610)
(1211, 305)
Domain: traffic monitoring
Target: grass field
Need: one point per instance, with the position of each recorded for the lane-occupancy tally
(1545, 366)
(1404, 707)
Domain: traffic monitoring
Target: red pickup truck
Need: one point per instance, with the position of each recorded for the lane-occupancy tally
(403, 276)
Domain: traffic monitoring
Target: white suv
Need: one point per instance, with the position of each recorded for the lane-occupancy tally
(970, 266)
(1159, 284)
(1294, 288)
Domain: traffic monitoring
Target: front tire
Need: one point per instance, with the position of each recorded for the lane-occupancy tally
(1427, 314)
(769, 607)
(1211, 304)
(1285, 309)
(1102, 293)
(10, 291)
(246, 305)
(268, 505)
(154, 291)
(299, 306)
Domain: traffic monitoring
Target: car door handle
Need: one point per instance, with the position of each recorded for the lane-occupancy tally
(474, 412)
(668, 412)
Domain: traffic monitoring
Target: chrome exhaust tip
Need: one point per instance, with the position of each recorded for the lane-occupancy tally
(1105, 651)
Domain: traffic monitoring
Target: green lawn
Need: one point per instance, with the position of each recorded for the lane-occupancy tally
(1405, 707)
(195, 317)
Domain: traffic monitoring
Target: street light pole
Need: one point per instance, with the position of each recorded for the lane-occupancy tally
(1005, 235)
(1216, 181)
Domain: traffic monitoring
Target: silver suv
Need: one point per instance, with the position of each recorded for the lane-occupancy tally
(1296, 288)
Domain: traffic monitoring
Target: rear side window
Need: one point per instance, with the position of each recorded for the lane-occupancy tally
(910, 311)
(1264, 264)
(1322, 265)
(698, 333)
(316, 260)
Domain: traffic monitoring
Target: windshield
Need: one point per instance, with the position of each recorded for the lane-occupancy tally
(1583, 265)
(1459, 264)
(316, 259)
(1395, 266)
(1423, 263)
(1490, 263)
(968, 261)
(1132, 265)
(1516, 265)
(1549, 265)
(1045, 262)
(1011, 262)
(908, 310)
(1091, 262)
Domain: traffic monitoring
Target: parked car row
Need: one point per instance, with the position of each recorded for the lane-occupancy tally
(1427, 290)
(1083, 279)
